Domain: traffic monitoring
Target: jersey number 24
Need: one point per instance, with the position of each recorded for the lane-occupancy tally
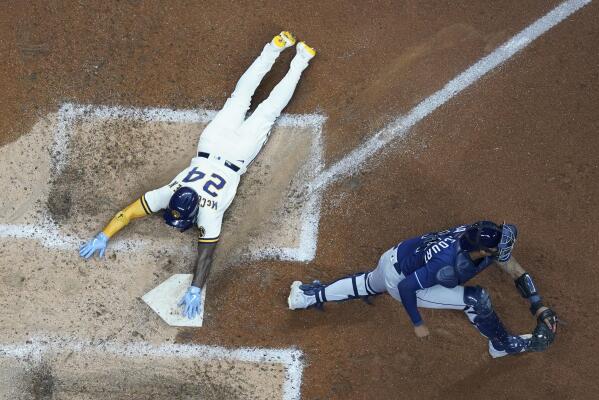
(217, 182)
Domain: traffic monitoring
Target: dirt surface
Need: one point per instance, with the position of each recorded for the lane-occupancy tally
(89, 375)
(521, 145)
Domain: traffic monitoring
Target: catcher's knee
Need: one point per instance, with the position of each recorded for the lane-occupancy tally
(374, 284)
(361, 285)
(477, 301)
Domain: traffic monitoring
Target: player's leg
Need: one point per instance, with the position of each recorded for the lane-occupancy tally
(255, 130)
(361, 285)
(441, 297)
(480, 312)
(231, 116)
(475, 302)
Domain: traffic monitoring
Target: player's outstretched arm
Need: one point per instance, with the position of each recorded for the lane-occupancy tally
(512, 268)
(210, 224)
(407, 291)
(527, 288)
(192, 298)
(203, 263)
(135, 210)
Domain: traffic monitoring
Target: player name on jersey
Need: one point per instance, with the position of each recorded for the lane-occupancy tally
(204, 202)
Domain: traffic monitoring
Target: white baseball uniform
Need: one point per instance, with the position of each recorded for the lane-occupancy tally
(230, 143)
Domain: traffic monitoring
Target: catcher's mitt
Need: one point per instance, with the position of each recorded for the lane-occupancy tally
(543, 335)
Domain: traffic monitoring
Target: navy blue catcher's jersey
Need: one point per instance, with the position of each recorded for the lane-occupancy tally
(434, 259)
(434, 251)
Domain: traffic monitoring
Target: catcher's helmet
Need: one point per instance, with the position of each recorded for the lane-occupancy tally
(182, 209)
(488, 236)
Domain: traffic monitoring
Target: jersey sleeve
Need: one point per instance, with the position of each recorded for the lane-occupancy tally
(407, 291)
(157, 199)
(210, 226)
(135, 210)
(424, 277)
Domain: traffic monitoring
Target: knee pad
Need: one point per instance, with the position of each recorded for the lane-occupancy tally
(479, 311)
(368, 286)
(478, 301)
(360, 285)
(354, 286)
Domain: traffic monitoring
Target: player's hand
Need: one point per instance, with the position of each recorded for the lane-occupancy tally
(421, 331)
(98, 243)
(549, 317)
(191, 302)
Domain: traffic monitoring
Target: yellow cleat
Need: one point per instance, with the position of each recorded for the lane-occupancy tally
(283, 40)
(304, 49)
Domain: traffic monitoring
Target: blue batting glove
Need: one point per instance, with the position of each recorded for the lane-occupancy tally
(96, 244)
(191, 302)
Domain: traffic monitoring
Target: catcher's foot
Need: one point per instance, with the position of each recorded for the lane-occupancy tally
(304, 50)
(283, 40)
(303, 295)
(511, 345)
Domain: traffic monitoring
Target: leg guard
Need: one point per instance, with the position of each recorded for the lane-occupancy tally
(351, 287)
(481, 314)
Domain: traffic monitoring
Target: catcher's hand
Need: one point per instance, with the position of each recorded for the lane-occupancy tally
(544, 333)
(546, 315)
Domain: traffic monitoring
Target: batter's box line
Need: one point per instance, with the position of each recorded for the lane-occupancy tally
(69, 112)
(290, 358)
(49, 234)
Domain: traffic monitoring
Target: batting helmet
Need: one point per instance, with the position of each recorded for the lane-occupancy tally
(182, 209)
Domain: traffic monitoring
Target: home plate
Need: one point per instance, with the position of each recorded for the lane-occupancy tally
(163, 300)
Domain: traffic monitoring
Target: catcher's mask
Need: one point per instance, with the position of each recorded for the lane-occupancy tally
(182, 209)
(488, 236)
(509, 233)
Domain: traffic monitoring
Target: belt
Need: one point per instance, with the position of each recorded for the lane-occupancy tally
(228, 164)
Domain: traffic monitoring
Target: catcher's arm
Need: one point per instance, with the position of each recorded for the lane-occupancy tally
(527, 288)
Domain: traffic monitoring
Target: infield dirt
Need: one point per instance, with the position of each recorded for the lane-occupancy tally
(521, 145)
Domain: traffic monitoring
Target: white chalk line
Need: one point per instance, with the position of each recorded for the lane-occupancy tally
(290, 358)
(68, 112)
(308, 241)
(397, 129)
(47, 232)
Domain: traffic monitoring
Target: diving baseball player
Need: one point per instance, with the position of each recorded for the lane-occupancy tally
(430, 271)
(202, 192)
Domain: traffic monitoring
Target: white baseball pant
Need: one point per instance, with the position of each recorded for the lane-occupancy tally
(237, 140)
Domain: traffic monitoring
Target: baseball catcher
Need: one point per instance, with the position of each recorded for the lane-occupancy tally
(202, 192)
(431, 270)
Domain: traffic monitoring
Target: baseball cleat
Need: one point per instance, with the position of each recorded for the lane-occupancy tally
(305, 50)
(283, 40)
(516, 344)
(302, 295)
